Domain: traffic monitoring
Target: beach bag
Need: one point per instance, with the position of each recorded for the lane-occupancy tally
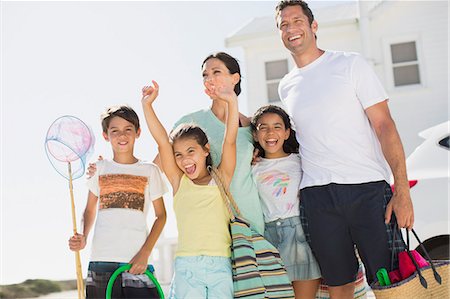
(428, 282)
(258, 271)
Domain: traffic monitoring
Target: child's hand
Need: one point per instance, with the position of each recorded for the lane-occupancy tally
(77, 242)
(256, 157)
(139, 263)
(93, 168)
(149, 93)
(223, 93)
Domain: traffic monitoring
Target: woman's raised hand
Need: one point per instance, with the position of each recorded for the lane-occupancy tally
(224, 93)
(149, 93)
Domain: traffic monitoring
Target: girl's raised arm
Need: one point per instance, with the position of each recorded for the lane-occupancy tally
(228, 161)
(169, 166)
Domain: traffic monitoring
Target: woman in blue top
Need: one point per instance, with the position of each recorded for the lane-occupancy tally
(216, 70)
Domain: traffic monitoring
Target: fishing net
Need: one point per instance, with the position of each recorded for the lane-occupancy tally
(69, 140)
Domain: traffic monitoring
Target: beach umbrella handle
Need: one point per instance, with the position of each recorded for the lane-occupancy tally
(126, 268)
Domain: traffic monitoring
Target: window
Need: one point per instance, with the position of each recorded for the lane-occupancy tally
(275, 71)
(405, 64)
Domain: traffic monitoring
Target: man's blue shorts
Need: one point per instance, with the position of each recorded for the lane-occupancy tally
(336, 217)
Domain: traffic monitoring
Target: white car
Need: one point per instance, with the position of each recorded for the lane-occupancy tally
(428, 174)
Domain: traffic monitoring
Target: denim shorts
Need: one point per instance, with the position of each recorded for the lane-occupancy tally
(288, 237)
(202, 277)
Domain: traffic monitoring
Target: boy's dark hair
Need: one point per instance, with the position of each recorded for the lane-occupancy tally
(232, 65)
(291, 144)
(123, 111)
(191, 131)
(285, 3)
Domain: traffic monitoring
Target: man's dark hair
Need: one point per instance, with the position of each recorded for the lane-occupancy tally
(285, 3)
(122, 111)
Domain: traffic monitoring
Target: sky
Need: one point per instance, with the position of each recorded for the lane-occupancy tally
(77, 58)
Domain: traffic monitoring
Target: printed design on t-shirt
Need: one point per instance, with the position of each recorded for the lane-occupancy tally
(290, 206)
(122, 191)
(278, 180)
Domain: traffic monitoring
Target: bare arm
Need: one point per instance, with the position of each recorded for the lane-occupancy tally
(78, 241)
(245, 120)
(169, 166)
(140, 260)
(231, 131)
(392, 147)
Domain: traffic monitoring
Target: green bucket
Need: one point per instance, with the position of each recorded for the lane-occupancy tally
(126, 268)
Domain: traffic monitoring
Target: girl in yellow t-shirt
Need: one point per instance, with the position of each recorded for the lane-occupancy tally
(202, 264)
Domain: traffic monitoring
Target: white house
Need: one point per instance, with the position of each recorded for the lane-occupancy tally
(406, 41)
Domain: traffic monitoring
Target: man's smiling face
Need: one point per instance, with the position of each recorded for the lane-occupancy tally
(297, 34)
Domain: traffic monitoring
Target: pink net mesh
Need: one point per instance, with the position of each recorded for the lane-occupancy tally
(69, 139)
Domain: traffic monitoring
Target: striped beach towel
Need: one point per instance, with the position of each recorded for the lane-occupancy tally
(258, 271)
(360, 286)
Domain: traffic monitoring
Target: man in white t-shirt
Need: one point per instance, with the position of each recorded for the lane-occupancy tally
(349, 145)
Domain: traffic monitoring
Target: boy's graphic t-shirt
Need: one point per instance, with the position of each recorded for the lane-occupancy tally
(278, 182)
(125, 193)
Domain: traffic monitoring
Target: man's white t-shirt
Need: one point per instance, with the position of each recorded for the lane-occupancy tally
(125, 193)
(326, 100)
(278, 181)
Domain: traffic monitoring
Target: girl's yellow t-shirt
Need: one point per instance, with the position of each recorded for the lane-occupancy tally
(202, 220)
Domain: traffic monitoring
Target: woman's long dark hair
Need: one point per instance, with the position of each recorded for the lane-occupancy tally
(232, 65)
